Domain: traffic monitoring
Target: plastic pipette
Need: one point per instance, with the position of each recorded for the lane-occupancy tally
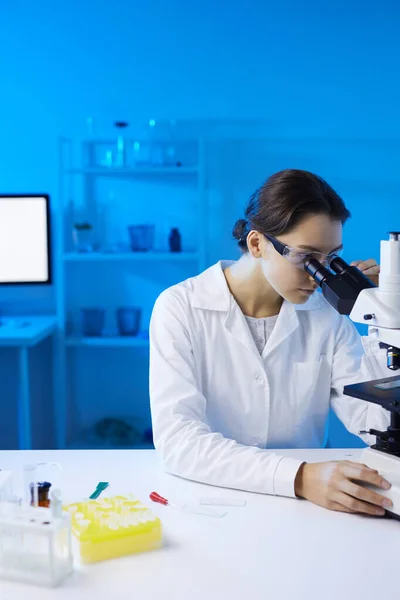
(157, 498)
(161, 500)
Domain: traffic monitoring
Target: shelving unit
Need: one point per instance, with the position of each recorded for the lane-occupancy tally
(175, 257)
(131, 172)
(105, 341)
(88, 171)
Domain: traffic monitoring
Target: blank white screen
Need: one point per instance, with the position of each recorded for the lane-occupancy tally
(23, 240)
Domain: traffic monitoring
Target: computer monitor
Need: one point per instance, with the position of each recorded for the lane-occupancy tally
(25, 250)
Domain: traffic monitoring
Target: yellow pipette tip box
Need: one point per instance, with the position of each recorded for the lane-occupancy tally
(112, 527)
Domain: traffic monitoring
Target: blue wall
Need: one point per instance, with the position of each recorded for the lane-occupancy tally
(324, 77)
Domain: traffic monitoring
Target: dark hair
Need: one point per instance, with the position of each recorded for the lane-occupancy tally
(284, 200)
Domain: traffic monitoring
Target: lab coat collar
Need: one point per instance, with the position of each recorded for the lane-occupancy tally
(211, 292)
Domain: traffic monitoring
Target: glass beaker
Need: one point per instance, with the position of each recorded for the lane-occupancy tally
(93, 320)
(128, 320)
(37, 484)
(82, 237)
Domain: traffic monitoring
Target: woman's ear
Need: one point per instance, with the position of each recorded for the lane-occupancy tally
(255, 242)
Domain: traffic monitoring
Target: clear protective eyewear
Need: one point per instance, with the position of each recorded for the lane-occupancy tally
(298, 258)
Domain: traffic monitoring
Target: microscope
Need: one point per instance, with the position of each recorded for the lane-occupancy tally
(353, 294)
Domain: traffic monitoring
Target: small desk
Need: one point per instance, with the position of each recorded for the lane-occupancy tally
(273, 548)
(24, 333)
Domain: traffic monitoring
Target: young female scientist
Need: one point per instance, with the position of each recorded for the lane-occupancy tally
(246, 357)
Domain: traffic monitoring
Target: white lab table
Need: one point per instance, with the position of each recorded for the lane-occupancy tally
(273, 548)
(24, 333)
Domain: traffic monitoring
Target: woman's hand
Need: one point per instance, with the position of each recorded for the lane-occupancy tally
(335, 485)
(369, 267)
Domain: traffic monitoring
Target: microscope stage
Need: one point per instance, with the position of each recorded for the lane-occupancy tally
(385, 392)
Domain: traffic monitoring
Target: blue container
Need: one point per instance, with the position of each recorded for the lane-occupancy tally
(141, 237)
(93, 320)
(175, 240)
(128, 320)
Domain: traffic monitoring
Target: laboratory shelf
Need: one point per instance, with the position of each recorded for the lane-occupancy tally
(132, 171)
(109, 341)
(130, 256)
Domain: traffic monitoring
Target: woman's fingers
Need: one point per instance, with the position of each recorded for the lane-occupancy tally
(358, 506)
(366, 495)
(360, 472)
(340, 508)
(372, 270)
(372, 273)
(369, 268)
(358, 498)
(366, 265)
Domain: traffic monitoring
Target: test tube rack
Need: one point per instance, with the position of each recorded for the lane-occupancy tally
(35, 546)
(113, 527)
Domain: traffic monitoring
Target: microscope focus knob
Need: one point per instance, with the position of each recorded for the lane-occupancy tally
(393, 358)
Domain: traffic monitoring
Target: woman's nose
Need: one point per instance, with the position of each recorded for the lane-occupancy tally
(313, 281)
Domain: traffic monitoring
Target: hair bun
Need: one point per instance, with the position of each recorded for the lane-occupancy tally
(240, 229)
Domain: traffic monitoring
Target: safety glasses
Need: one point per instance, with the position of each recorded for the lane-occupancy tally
(297, 258)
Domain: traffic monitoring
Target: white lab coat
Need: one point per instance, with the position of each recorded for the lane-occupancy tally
(217, 405)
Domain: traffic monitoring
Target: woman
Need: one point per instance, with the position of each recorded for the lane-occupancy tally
(246, 357)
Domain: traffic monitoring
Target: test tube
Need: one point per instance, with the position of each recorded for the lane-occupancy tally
(121, 151)
(84, 523)
(56, 504)
(31, 491)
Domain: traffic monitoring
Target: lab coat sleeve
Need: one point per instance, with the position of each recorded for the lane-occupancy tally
(183, 439)
(357, 359)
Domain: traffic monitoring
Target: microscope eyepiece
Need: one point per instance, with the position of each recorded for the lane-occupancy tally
(340, 285)
(338, 265)
(316, 270)
(354, 276)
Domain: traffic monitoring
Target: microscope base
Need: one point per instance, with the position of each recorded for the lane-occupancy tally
(388, 466)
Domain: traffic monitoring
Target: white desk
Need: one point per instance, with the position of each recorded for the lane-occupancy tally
(274, 548)
(23, 333)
